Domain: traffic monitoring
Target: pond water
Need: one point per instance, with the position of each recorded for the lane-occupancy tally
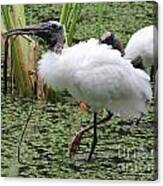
(124, 150)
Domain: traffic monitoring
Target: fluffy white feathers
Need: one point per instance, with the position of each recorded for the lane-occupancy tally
(99, 76)
(143, 43)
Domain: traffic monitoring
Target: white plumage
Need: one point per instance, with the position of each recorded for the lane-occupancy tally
(93, 72)
(99, 76)
(143, 43)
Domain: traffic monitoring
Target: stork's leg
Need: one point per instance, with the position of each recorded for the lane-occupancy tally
(74, 146)
(152, 73)
(94, 142)
(139, 119)
(136, 122)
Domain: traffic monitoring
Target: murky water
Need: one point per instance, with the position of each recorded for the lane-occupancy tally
(124, 150)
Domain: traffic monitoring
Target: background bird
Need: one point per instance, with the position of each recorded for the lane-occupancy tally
(143, 44)
(94, 73)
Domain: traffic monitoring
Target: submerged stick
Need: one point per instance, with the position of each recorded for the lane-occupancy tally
(8, 35)
(5, 64)
(22, 136)
(21, 140)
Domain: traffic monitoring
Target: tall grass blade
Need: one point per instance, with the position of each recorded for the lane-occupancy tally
(72, 28)
(69, 16)
(100, 8)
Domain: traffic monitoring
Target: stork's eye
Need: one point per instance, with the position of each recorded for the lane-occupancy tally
(54, 26)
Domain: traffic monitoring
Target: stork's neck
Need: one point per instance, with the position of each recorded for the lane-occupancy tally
(57, 48)
(57, 44)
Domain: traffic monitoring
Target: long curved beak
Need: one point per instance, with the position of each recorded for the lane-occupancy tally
(29, 30)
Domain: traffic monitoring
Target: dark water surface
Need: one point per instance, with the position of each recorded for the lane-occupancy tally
(124, 150)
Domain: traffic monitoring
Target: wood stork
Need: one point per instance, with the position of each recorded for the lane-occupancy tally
(143, 43)
(93, 73)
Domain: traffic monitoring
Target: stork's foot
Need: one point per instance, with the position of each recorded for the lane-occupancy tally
(84, 107)
(75, 144)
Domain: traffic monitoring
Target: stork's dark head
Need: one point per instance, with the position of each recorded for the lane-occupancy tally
(137, 62)
(109, 38)
(50, 31)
